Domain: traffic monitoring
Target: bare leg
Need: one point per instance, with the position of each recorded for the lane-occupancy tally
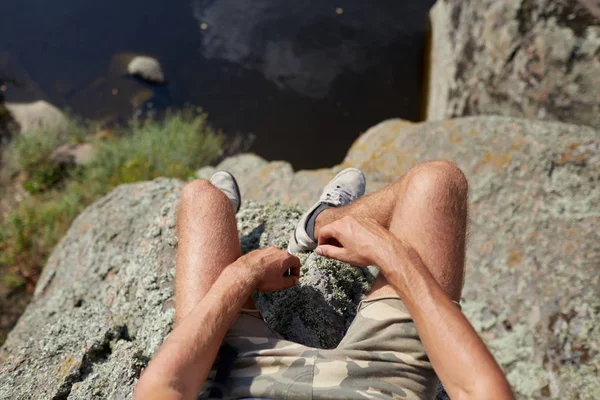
(426, 207)
(208, 242)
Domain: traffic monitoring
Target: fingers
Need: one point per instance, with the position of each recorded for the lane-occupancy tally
(295, 269)
(331, 251)
(328, 233)
(290, 281)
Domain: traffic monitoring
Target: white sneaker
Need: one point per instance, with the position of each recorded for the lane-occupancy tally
(227, 184)
(343, 189)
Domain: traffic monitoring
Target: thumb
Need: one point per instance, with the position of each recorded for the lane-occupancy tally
(330, 251)
(290, 281)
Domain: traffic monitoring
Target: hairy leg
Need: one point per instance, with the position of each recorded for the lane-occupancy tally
(208, 242)
(426, 207)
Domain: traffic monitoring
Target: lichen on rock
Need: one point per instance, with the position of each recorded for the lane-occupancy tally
(104, 303)
(531, 288)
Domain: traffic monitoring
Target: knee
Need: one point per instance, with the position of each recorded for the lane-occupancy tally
(200, 191)
(435, 178)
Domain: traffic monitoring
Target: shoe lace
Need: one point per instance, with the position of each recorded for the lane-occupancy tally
(339, 196)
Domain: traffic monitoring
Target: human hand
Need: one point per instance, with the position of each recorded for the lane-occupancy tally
(268, 267)
(357, 241)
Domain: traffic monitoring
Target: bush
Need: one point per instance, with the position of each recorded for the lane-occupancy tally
(31, 230)
(30, 154)
(174, 147)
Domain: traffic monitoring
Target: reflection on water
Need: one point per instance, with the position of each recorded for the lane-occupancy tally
(305, 77)
(301, 45)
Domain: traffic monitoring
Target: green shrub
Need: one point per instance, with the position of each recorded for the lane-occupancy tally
(33, 227)
(31, 154)
(174, 147)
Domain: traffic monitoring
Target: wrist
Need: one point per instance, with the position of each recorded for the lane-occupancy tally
(396, 259)
(244, 274)
(386, 253)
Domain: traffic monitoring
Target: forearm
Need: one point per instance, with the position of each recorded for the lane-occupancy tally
(181, 366)
(459, 357)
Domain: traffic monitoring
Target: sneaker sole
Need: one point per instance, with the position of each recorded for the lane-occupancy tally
(237, 190)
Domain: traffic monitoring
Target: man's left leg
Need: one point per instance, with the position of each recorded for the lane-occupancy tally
(208, 243)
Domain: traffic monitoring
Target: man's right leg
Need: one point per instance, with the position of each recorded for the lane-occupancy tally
(426, 207)
(381, 352)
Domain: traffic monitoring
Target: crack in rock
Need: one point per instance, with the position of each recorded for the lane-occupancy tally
(98, 353)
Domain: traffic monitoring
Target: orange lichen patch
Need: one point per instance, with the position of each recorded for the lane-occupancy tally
(572, 155)
(269, 168)
(517, 142)
(389, 129)
(498, 160)
(358, 147)
(84, 227)
(472, 132)
(378, 156)
(65, 366)
(514, 258)
(569, 247)
(454, 137)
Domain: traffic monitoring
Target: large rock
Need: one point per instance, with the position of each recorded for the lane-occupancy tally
(534, 59)
(534, 248)
(103, 304)
(104, 301)
(37, 115)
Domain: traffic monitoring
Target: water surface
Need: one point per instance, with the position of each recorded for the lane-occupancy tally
(306, 77)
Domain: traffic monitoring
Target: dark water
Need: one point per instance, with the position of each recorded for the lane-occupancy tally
(306, 77)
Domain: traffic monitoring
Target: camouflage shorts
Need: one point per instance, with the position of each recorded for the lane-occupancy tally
(380, 357)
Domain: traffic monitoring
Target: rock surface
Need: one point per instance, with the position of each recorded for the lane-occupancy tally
(36, 115)
(532, 288)
(104, 302)
(146, 68)
(537, 59)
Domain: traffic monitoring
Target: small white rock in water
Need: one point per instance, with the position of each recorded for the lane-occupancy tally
(147, 68)
(36, 115)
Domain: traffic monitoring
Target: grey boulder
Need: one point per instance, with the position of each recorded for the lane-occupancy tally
(37, 115)
(535, 59)
(104, 302)
(532, 288)
(146, 68)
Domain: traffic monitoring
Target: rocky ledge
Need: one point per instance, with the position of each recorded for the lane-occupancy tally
(104, 302)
